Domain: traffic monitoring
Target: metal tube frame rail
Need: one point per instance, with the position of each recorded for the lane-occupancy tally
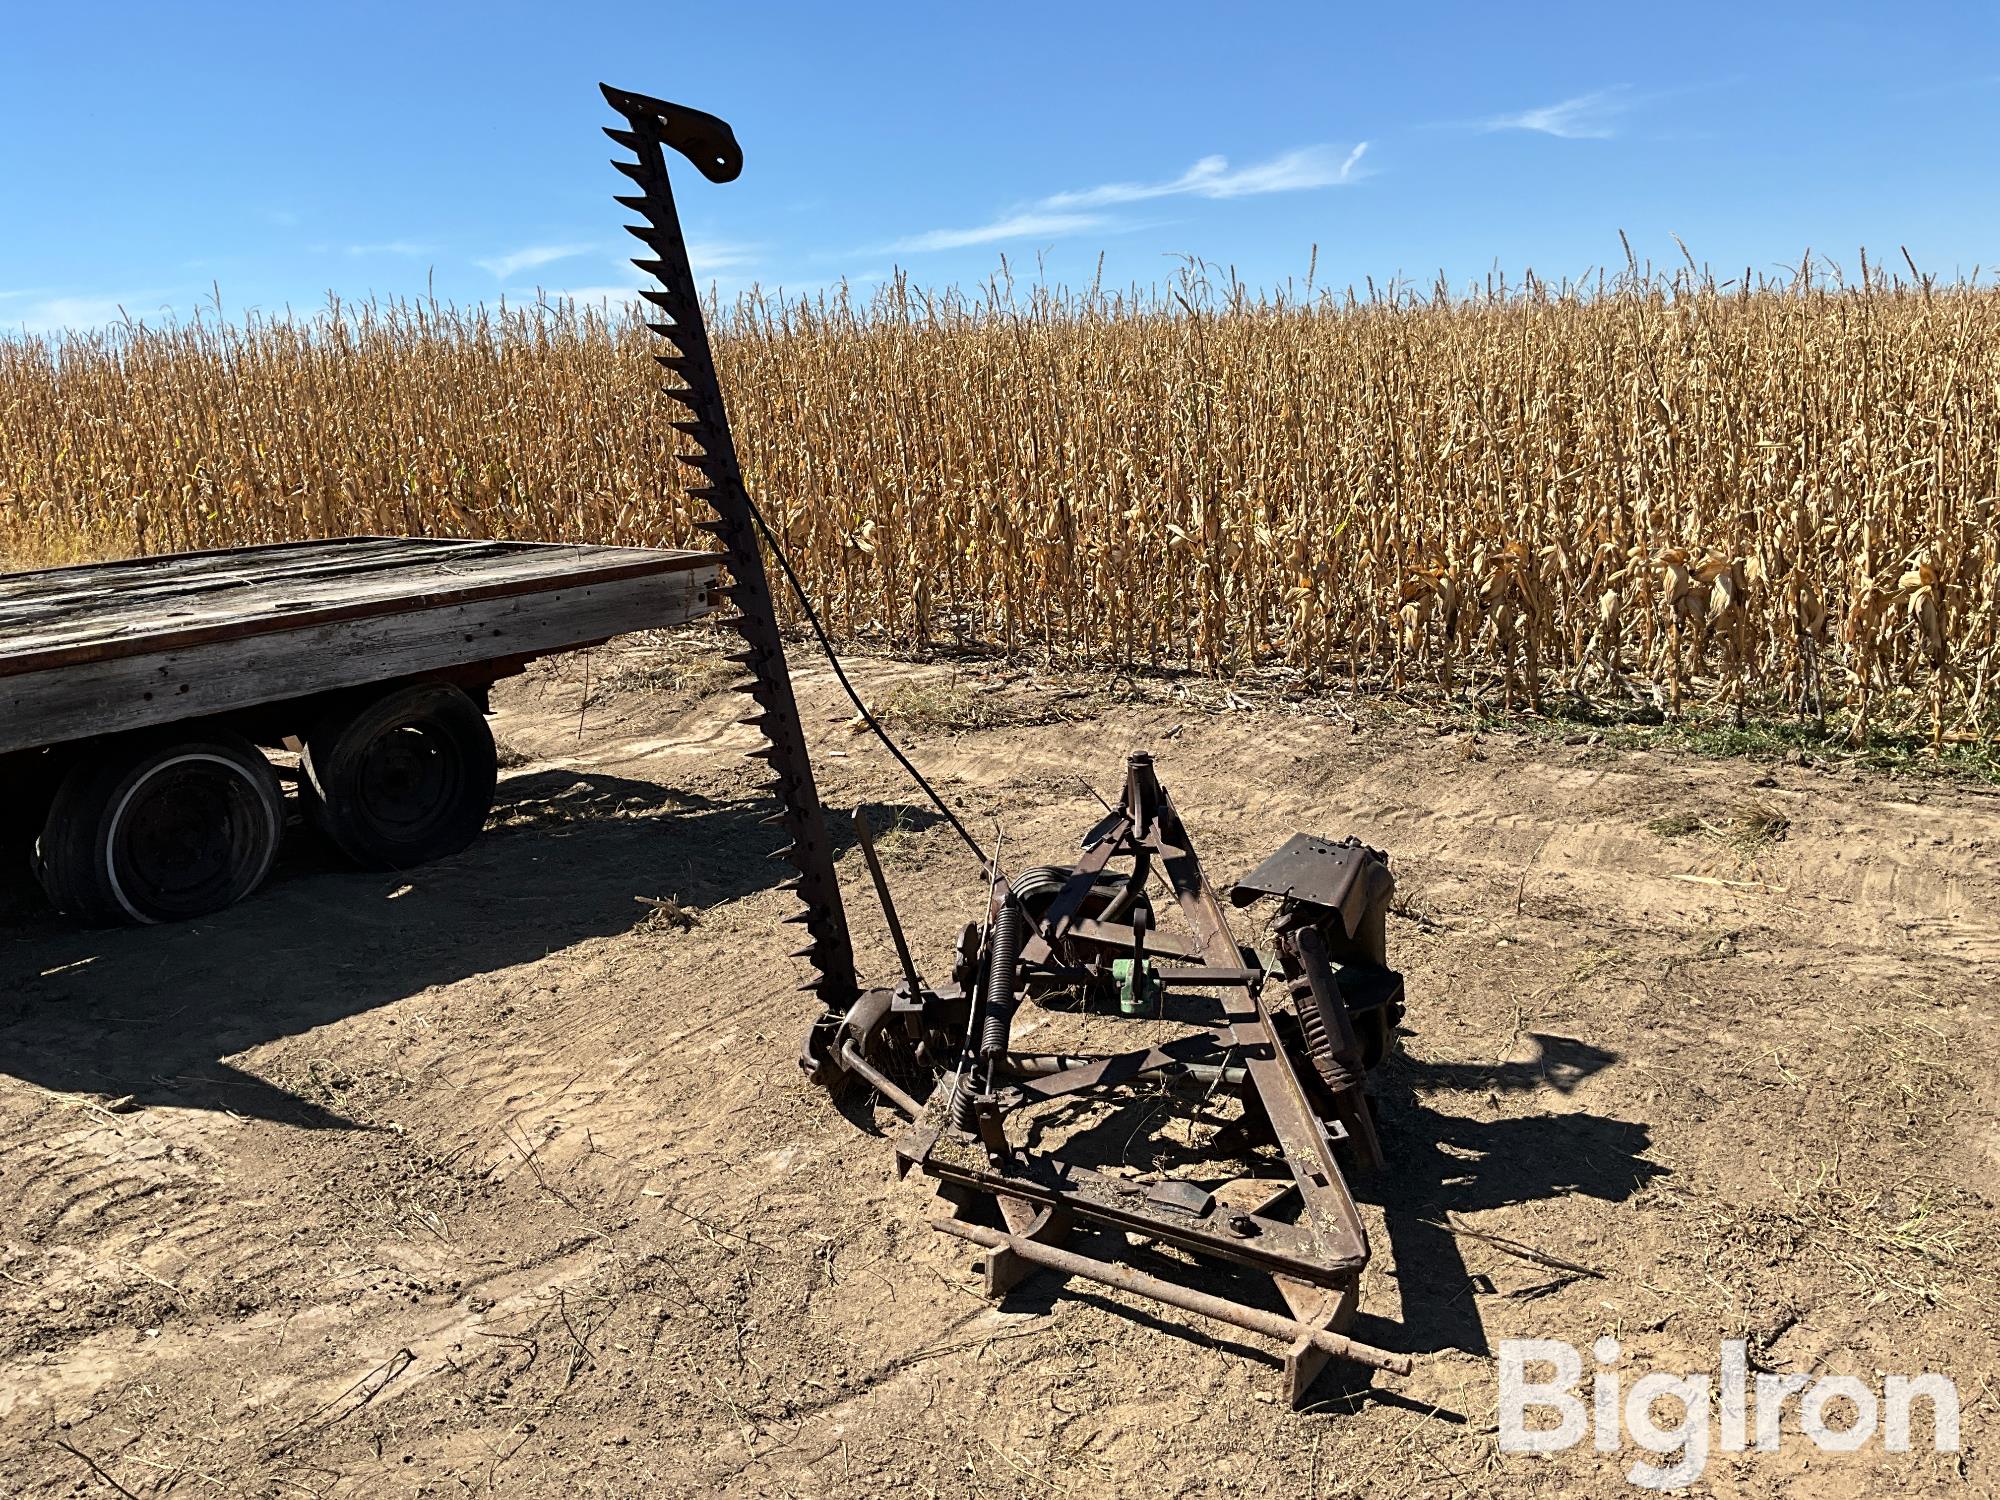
(1187, 1299)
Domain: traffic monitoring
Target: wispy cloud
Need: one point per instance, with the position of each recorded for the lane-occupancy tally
(1211, 177)
(709, 256)
(526, 259)
(54, 314)
(1069, 213)
(1020, 226)
(1587, 117)
(389, 247)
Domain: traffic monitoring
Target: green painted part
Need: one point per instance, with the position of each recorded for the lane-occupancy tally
(1136, 999)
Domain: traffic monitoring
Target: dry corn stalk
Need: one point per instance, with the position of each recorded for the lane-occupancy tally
(1781, 495)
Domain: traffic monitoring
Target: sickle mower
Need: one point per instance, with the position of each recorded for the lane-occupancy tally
(1277, 1045)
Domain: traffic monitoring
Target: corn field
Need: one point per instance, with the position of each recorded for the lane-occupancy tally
(1739, 498)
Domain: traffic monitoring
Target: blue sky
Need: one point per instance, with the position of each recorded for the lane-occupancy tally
(285, 151)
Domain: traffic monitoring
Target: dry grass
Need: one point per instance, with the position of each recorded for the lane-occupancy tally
(958, 707)
(1709, 496)
(687, 663)
(1746, 828)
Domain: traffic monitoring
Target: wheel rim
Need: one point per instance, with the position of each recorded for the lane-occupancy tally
(409, 780)
(192, 836)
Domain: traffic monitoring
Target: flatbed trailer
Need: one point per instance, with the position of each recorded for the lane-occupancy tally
(135, 697)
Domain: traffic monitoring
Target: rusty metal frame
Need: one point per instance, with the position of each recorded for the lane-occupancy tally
(1314, 1257)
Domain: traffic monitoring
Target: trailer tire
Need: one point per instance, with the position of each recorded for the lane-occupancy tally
(160, 829)
(402, 779)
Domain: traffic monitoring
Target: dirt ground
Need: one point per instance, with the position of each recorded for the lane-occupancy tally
(496, 1179)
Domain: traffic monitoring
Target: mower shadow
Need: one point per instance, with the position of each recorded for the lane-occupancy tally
(1444, 1163)
(152, 1012)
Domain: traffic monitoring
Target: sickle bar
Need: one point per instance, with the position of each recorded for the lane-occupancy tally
(707, 142)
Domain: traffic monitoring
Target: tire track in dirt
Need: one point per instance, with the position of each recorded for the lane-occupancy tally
(134, 1188)
(365, 1335)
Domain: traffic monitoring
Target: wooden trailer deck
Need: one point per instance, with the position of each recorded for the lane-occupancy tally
(107, 647)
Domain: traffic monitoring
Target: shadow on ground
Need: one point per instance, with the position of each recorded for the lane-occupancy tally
(152, 1012)
(1443, 1163)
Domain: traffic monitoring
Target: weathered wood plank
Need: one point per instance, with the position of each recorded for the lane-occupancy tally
(139, 572)
(171, 612)
(85, 616)
(73, 702)
(242, 584)
(277, 565)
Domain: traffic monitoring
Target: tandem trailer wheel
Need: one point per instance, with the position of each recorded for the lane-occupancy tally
(157, 828)
(402, 778)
